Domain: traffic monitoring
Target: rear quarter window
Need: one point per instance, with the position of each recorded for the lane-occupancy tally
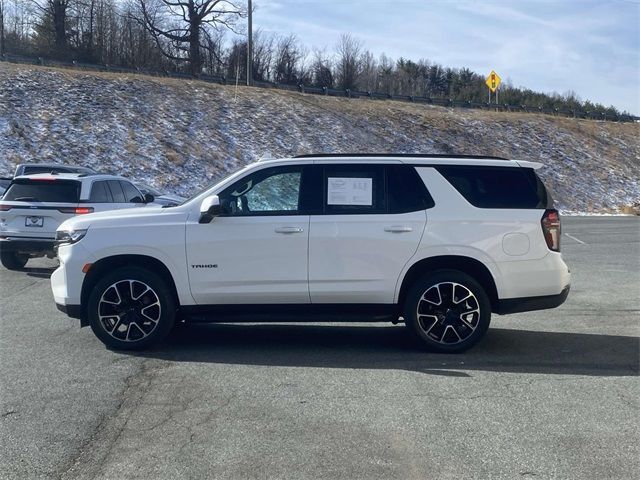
(100, 193)
(55, 191)
(406, 191)
(116, 191)
(497, 187)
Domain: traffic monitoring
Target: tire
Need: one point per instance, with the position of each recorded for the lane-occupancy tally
(458, 321)
(13, 260)
(131, 308)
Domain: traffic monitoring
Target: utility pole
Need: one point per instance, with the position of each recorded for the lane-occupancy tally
(249, 43)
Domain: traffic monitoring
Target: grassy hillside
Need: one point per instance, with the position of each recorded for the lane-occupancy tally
(183, 134)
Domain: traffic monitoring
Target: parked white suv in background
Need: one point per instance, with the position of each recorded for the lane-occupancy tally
(34, 206)
(439, 241)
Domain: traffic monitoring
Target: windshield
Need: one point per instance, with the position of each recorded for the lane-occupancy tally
(149, 189)
(211, 185)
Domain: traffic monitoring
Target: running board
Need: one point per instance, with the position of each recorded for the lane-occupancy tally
(291, 313)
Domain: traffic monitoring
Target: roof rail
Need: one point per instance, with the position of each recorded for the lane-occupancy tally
(401, 155)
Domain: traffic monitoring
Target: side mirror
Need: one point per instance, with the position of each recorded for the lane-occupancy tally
(148, 198)
(210, 208)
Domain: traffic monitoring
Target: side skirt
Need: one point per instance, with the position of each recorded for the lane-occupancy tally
(291, 313)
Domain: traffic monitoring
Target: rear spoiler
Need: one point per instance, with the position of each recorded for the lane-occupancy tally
(527, 164)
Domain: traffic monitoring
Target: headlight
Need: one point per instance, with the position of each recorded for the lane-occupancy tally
(67, 237)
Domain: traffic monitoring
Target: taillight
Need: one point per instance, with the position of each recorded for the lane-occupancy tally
(83, 210)
(551, 229)
(4, 208)
(76, 210)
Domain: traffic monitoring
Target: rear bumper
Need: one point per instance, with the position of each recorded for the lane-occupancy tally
(27, 245)
(527, 304)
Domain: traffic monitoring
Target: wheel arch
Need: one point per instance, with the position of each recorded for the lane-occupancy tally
(116, 261)
(468, 265)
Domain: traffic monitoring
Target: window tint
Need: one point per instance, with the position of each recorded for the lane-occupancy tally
(116, 191)
(354, 189)
(405, 190)
(100, 193)
(131, 193)
(497, 187)
(268, 191)
(59, 191)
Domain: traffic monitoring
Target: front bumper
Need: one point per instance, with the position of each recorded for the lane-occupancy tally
(67, 279)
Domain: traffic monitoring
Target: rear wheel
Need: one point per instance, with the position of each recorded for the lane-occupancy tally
(131, 309)
(448, 311)
(13, 260)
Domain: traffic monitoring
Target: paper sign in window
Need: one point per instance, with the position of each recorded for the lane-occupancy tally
(350, 191)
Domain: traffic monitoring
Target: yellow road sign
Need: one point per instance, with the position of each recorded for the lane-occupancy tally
(493, 81)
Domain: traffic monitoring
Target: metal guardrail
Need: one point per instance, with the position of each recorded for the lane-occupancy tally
(439, 101)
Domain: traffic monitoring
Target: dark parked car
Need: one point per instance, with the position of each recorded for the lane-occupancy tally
(164, 199)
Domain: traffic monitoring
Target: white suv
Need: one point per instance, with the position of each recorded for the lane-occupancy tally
(438, 241)
(34, 206)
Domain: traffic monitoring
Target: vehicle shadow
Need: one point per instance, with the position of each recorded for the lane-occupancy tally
(392, 347)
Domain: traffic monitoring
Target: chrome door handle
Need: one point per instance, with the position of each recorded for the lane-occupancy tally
(289, 230)
(398, 229)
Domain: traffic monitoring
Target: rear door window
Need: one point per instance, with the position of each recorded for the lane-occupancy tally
(354, 189)
(54, 191)
(497, 187)
(116, 191)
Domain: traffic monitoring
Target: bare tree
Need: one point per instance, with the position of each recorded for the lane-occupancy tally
(369, 71)
(386, 75)
(214, 53)
(262, 56)
(288, 60)
(2, 40)
(236, 60)
(348, 66)
(181, 27)
(55, 19)
(321, 70)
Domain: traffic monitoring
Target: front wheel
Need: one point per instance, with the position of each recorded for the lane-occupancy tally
(131, 308)
(13, 260)
(448, 311)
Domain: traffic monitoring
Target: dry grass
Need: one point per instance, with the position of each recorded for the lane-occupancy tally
(631, 209)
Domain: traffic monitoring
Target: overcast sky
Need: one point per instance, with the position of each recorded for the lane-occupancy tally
(591, 47)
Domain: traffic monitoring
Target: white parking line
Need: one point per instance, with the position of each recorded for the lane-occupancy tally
(576, 239)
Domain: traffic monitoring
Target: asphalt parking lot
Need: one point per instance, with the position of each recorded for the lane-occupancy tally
(551, 394)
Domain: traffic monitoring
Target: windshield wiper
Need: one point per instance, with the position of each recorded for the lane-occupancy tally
(25, 199)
